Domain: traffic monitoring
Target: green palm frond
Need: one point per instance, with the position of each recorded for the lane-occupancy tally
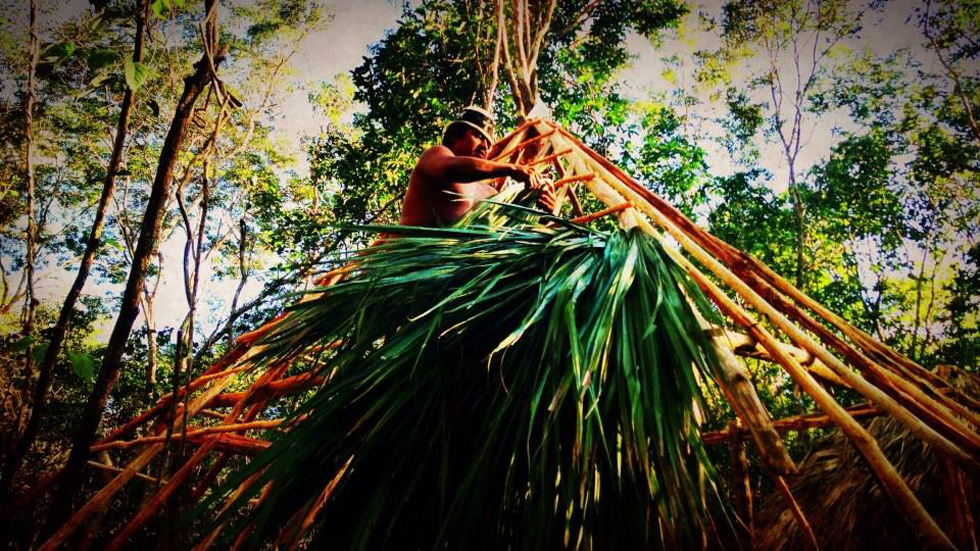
(497, 386)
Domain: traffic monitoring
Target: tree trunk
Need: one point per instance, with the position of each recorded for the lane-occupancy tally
(149, 233)
(799, 215)
(151, 329)
(243, 277)
(31, 302)
(95, 234)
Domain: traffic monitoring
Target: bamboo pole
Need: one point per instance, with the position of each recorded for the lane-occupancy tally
(509, 138)
(923, 430)
(113, 469)
(204, 431)
(576, 204)
(515, 136)
(571, 179)
(561, 191)
(800, 422)
(239, 445)
(522, 145)
(275, 389)
(209, 539)
(743, 345)
(218, 367)
(136, 465)
(550, 158)
(182, 474)
(928, 401)
(794, 508)
(871, 346)
(739, 261)
(605, 193)
(734, 381)
(232, 444)
(604, 212)
(891, 481)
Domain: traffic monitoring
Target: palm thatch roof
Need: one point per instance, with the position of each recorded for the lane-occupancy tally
(753, 312)
(846, 507)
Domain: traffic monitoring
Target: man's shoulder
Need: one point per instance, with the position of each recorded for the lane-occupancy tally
(437, 151)
(431, 159)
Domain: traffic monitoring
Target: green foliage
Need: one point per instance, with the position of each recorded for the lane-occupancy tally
(135, 73)
(753, 218)
(82, 364)
(666, 160)
(490, 382)
(424, 71)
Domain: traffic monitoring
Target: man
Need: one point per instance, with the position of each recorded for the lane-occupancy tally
(449, 179)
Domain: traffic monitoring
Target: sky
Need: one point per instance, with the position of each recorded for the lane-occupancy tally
(342, 45)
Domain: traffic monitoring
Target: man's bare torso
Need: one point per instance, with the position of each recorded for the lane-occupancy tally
(430, 202)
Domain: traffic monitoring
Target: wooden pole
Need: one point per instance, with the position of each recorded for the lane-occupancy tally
(204, 431)
(794, 508)
(951, 427)
(741, 486)
(734, 381)
(597, 215)
(796, 422)
(580, 178)
(185, 471)
(891, 481)
(522, 145)
(217, 370)
(136, 465)
(924, 431)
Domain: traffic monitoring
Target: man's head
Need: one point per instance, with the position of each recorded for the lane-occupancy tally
(471, 133)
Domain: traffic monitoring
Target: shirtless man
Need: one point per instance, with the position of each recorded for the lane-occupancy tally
(459, 167)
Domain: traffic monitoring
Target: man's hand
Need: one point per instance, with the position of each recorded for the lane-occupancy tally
(526, 175)
(547, 197)
(532, 180)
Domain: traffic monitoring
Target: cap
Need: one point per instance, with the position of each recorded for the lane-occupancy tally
(477, 118)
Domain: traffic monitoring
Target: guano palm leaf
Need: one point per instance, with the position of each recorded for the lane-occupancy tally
(498, 386)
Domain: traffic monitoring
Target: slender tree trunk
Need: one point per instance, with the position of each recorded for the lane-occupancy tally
(918, 306)
(95, 238)
(799, 213)
(149, 298)
(185, 359)
(30, 305)
(243, 275)
(151, 338)
(194, 84)
(29, 100)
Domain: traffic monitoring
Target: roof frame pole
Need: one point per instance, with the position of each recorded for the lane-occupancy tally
(771, 286)
(924, 430)
(185, 471)
(136, 465)
(886, 473)
(734, 380)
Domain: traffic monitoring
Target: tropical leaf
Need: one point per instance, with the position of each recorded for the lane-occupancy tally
(136, 74)
(82, 364)
(498, 386)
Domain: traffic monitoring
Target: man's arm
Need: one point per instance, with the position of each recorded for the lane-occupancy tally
(439, 163)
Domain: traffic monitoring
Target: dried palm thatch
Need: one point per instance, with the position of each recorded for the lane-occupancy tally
(846, 507)
(779, 323)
